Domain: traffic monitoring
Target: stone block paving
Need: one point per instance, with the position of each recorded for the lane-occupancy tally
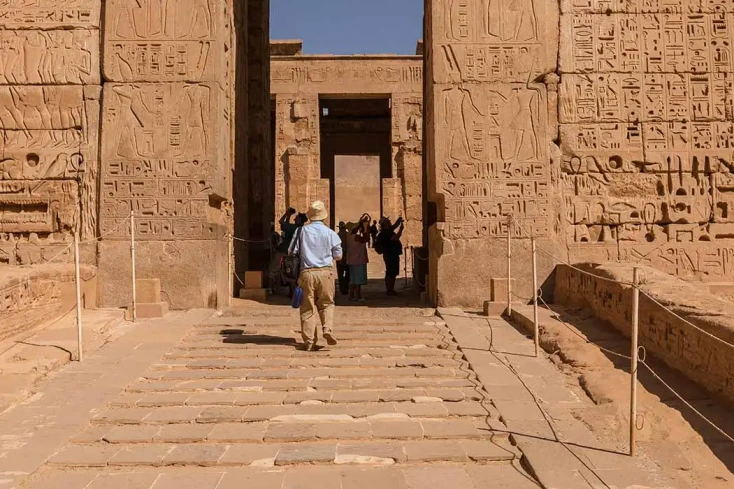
(235, 404)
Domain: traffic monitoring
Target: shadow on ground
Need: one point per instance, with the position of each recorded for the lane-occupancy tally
(715, 409)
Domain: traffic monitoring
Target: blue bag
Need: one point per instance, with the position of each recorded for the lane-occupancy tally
(297, 297)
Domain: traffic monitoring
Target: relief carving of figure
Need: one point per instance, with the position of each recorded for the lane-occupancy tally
(460, 113)
(34, 51)
(518, 135)
(11, 48)
(197, 117)
(511, 20)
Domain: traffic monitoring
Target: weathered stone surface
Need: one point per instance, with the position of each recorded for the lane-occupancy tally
(691, 351)
(61, 56)
(616, 161)
(50, 14)
(180, 40)
(304, 138)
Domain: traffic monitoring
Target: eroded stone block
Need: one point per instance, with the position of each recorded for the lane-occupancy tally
(172, 40)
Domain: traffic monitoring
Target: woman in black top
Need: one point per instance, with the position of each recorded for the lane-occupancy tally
(391, 248)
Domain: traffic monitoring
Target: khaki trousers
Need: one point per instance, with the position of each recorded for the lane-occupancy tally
(317, 308)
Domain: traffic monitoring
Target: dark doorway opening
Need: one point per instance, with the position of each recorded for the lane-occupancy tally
(355, 147)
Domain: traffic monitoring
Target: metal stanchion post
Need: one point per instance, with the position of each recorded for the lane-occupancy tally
(509, 268)
(77, 279)
(132, 260)
(633, 369)
(536, 327)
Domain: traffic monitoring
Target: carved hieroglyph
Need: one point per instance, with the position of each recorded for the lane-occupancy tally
(647, 136)
(49, 14)
(159, 159)
(297, 81)
(49, 164)
(49, 126)
(162, 40)
(488, 162)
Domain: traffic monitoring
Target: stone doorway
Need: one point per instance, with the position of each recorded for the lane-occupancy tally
(355, 154)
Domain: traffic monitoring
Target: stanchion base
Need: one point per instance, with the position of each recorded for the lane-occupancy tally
(148, 310)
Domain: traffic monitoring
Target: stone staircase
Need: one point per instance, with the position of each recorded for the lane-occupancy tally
(393, 397)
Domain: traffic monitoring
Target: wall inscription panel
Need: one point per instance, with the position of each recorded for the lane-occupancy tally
(162, 40)
(49, 126)
(159, 160)
(647, 136)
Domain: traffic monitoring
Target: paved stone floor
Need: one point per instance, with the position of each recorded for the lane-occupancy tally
(205, 402)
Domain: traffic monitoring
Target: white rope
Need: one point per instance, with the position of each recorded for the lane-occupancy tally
(641, 361)
(111, 231)
(686, 402)
(242, 240)
(629, 284)
(564, 262)
(557, 317)
(26, 278)
(687, 321)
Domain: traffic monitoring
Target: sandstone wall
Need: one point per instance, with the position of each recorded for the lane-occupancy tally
(646, 134)
(49, 119)
(490, 119)
(603, 129)
(31, 296)
(695, 354)
(166, 153)
(297, 81)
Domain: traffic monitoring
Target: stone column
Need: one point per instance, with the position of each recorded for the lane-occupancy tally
(259, 170)
(407, 149)
(298, 153)
(487, 151)
(49, 97)
(166, 147)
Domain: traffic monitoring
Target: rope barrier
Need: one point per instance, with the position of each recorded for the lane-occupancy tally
(630, 284)
(687, 321)
(642, 352)
(29, 276)
(713, 425)
(564, 262)
(249, 241)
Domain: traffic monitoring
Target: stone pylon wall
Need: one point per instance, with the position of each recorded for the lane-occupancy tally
(618, 148)
(488, 143)
(49, 119)
(166, 146)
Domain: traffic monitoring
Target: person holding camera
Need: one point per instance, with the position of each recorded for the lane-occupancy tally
(390, 247)
(357, 258)
(287, 229)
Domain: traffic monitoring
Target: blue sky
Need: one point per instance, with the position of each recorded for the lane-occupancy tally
(349, 26)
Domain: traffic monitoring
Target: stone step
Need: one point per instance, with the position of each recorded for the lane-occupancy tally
(279, 454)
(263, 336)
(295, 327)
(311, 373)
(277, 398)
(157, 415)
(229, 349)
(313, 361)
(407, 368)
(344, 319)
(291, 385)
(291, 341)
(353, 472)
(299, 428)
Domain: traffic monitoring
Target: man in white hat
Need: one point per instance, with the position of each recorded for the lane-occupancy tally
(318, 247)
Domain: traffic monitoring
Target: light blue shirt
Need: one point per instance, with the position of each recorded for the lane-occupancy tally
(321, 245)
